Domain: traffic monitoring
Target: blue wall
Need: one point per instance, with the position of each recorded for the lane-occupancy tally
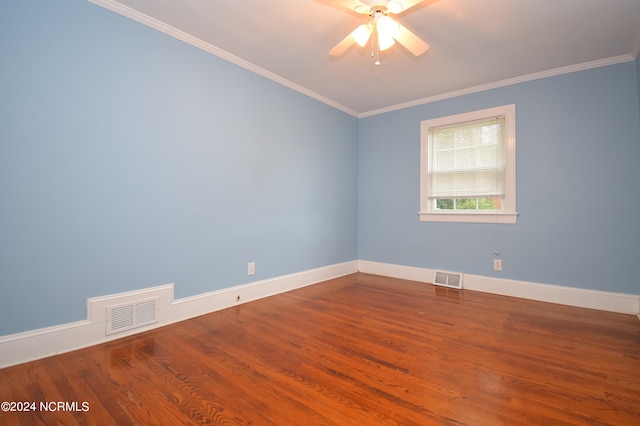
(578, 186)
(129, 159)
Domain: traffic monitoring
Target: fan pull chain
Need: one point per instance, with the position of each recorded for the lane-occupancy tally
(372, 43)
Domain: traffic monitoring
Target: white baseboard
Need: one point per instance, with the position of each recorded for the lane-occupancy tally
(31, 345)
(204, 303)
(572, 296)
(411, 273)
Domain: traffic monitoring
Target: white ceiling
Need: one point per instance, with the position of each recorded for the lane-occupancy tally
(474, 44)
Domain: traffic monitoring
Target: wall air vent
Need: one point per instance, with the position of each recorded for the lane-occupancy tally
(447, 279)
(131, 315)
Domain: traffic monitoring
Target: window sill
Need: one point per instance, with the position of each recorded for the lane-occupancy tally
(505, 218)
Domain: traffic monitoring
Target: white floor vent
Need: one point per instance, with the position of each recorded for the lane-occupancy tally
(447, 279)
(131, 315)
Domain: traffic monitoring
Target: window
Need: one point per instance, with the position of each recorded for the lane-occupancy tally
(467, 167)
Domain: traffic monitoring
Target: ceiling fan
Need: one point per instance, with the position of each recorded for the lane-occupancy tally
(382, 26)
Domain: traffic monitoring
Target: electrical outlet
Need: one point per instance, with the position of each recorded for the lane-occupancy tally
(251, 268)
(497, 264)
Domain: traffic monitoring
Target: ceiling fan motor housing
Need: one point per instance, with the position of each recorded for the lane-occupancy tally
(379, 6)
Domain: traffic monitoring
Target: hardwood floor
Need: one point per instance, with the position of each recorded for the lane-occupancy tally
(358, 350)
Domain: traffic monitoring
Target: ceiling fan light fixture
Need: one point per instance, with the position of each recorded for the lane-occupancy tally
(361, 34)
(385, 42)
(387, 27)
(387, 30)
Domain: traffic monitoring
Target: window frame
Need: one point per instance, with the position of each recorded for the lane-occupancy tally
(507, 214)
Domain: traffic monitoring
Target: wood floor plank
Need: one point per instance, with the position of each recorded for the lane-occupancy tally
(357, 350)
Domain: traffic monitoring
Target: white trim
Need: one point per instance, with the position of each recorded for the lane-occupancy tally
(156, 24)
(403, 272)
(35, 344)
(503, 83)
(480, 217)
(572, 296)
(200, 304)
(506, 216)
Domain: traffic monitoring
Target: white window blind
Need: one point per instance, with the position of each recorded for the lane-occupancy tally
(467, 160)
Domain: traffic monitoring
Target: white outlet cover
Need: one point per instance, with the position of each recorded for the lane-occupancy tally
(497, 264)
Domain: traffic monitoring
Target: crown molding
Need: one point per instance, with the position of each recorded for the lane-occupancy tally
(156, 24)
(507, 82)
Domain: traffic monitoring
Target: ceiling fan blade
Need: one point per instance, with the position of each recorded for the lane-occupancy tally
(353, 5)
(412, 42)
(355, 36)
(408, 4)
